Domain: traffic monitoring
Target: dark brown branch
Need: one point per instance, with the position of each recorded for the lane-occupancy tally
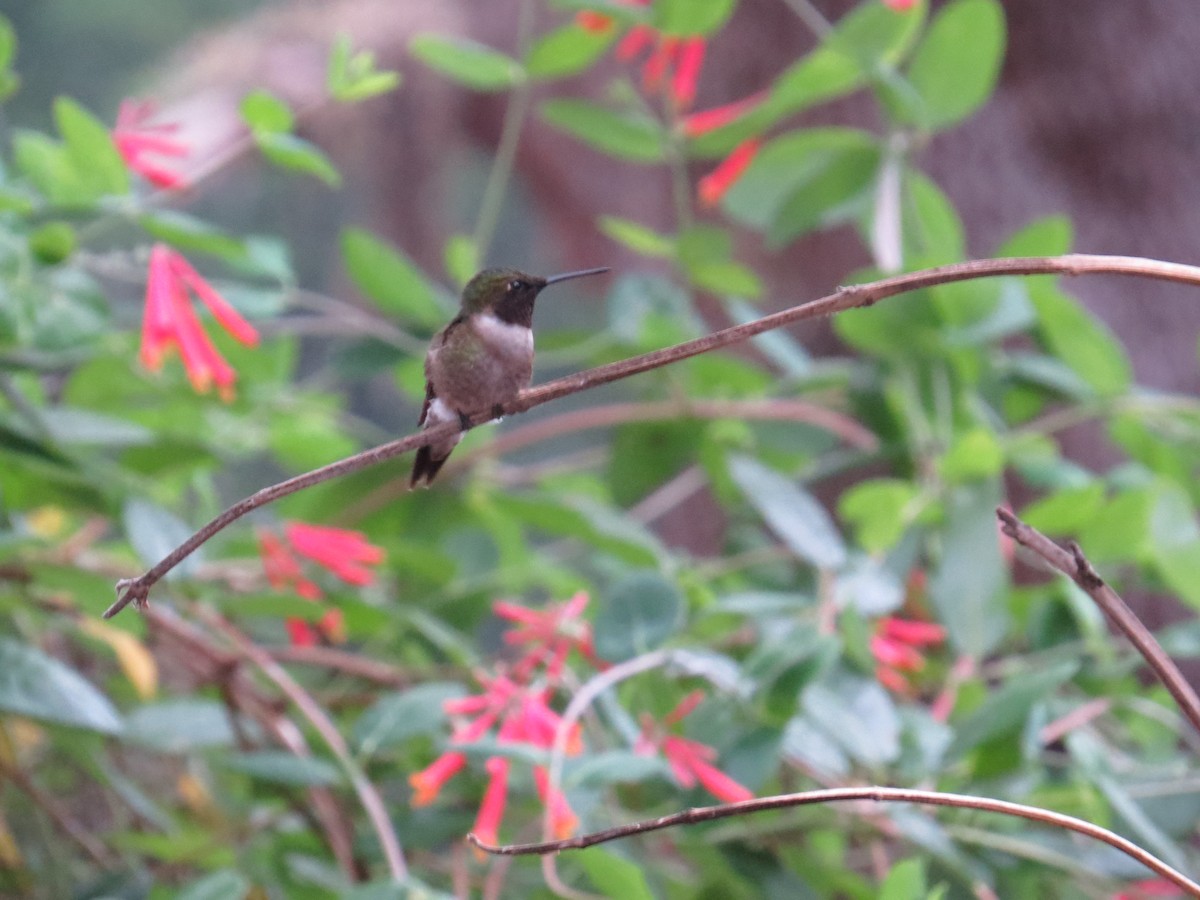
(1075, 566)
(832, 795)
(136, 590)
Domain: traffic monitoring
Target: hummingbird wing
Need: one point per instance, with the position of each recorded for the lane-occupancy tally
(426, 465)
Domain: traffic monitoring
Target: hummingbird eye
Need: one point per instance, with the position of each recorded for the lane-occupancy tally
(513, 285)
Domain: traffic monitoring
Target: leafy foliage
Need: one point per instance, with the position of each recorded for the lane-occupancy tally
(819, 528)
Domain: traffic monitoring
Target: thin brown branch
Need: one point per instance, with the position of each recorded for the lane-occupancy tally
(1075, 566)
(137, 590)
(210, 663)
(61, 817)
(371, 801)
(833, 795)
(347, 663)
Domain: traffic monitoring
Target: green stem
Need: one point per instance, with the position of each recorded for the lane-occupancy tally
(506, 151)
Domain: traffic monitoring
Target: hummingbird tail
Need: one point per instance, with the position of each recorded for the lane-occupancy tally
(425, 468)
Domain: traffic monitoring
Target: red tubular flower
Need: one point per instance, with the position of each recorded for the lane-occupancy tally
(344, 553)
(717, 183)
(169, 320)
(563, 821)
(895, 646)
(687, 71)
(134, 138)
(427, 783)
(707, 120)
(590, 20)
(900, 5)
(495, 798)
(1149, 887)
(635, 41)
(690, 761)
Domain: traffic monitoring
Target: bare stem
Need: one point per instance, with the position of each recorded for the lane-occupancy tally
(871, 794)
(1075, 566)
(845, 298)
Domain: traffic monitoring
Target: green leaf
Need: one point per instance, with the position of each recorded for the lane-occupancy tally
(223, 885)
(154, 532)
(180, 726)
(791, 512)
(1047, 236)
(352, 77)
(684, 18)
(613, 767)
(933, 230)
(1008, 709)
(905, 881)
(1080, 340)
(858, 715)
(90, 148)
(632, 136)
(971, 575)
(83, 426)
(637, 614)
(1065, 511)
(614, 875)
(395, 718)
(975, 454)
(265, 113)
(804, 180)
(461, 258)
(637, 237)
(36, 685)
(565, 51)
(467, 62)
(191, 234)
(879, 510)
(390, 279)
(281, 767)
(955, 67)
(291, 152)
(52, 243)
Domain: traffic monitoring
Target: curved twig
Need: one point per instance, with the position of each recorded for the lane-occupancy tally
(1075, 566)
(136, 590)
(873, 794)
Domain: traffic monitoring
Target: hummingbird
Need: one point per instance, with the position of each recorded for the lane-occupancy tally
(483, 358)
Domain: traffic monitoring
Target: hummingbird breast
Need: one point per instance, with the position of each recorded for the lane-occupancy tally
(485, 362)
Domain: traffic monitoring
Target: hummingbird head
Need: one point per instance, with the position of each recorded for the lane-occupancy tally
(508, 294)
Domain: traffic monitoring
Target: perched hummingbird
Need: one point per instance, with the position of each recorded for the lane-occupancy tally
(483, 358)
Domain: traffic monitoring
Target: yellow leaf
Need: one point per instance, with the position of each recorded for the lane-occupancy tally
(10, 853)
(135, 660)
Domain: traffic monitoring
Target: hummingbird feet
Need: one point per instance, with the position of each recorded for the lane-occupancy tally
(464, 421)
(497, 411)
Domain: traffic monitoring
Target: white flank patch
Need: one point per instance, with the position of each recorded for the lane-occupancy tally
(439, 412)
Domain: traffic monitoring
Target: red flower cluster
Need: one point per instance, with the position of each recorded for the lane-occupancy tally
(344, 553)
(169, 320)
(690, 761)
(135, 138)
(524, 717)
(679, 57)
(896, 647)
(553, 632)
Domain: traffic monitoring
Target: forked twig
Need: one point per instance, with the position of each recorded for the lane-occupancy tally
(1075, 566)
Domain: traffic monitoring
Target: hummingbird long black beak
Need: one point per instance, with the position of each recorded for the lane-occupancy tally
(567, 276)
